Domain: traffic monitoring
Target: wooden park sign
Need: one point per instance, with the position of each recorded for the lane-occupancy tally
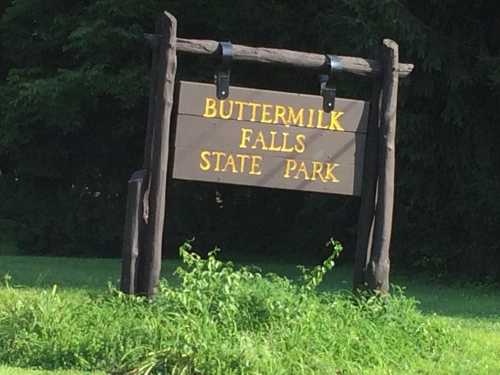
(267, 139)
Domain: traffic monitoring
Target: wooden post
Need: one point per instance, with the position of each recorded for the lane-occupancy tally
(379, 265)
(130, 250)
(368, 193)
(156, 157)
(154, 102)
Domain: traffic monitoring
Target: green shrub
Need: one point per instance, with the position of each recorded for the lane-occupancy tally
(219, 319)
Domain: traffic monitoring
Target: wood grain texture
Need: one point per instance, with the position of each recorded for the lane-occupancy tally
(154, 92)
(355, 65)
(379, 265)
(156, 189)
(196, 132)
(192, 96)
(187, 160)
(199, 133)
(364, 237)
(130, 250)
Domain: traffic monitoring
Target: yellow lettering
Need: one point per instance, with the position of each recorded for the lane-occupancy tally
(245, 137)
(296, 118)
(302, 169)
(279, 114)
(210, 108)
(310, 119)
(301, 145)
(255, 167)
(254, 110)
(320, 120)
(230, 163)
(317, 168)
(290, 166)
(229, 113)
(241, 108)
(266, 114)
(243, 158)
(204, 163)
(285, 147)
(334, 121)
(260, 139)
(329, 172)
(273, 146)
(217, 155)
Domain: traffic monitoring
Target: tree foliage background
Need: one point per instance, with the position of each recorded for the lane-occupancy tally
(73, 99)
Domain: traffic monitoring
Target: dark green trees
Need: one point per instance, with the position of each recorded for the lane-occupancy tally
(73, 95)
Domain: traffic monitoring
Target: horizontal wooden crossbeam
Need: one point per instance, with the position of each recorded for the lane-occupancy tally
(355, 65)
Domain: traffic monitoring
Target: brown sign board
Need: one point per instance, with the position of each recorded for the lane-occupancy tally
(269, 139)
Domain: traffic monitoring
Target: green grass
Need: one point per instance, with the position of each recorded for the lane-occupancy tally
(5, 370)
(458, 331)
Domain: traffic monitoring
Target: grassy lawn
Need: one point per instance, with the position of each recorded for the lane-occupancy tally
(471, 313)
(4, 370)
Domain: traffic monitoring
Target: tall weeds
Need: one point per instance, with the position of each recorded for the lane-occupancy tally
(219, 319)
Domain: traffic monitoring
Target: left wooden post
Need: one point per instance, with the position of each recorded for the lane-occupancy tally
(154, 187)
(130, 252)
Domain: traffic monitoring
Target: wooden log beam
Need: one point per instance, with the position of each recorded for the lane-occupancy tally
(379, 265)
(354, 65)
(156, 157)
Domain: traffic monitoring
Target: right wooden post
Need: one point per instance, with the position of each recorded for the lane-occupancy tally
(379, 264)
(364, 238)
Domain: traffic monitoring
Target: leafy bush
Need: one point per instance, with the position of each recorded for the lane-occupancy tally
(219, 319)
(73, 105)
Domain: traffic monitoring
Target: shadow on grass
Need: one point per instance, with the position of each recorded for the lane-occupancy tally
(95, 275)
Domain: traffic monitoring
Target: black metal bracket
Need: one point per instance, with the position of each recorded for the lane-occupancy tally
(327, 88)
(223, 72)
